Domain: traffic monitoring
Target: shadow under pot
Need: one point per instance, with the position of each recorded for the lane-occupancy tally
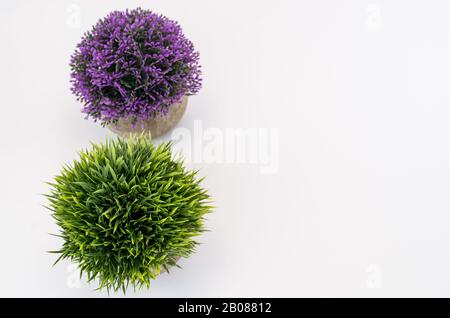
(155, 126)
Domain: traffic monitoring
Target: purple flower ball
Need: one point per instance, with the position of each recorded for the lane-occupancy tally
(133, 64)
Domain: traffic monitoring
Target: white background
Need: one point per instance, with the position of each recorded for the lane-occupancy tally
(359, 91)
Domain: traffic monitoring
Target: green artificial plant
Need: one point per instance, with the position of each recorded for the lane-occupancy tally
(127, 211)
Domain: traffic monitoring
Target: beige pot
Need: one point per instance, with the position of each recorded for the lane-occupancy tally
(156, 127)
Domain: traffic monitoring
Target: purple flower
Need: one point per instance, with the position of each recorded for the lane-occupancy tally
(133, 64)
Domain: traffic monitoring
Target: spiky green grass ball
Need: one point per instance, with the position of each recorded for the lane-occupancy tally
(127, 210)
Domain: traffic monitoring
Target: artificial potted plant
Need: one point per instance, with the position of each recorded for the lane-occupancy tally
(134, 71)
(127, 211)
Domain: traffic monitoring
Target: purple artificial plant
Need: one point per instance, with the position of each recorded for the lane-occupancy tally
(133, 64)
